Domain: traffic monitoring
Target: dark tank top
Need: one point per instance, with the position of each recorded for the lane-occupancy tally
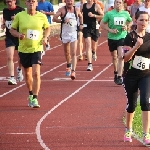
(90, 21)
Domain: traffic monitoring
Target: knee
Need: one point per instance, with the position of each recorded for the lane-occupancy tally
(10, 59)
(131, 108)
(145, 106)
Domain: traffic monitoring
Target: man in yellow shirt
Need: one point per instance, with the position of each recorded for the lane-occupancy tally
(31, 42)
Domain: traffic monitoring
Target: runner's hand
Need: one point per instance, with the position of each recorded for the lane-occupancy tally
(113, 31)
(139, 42)
(90, 14)
(21, 36)
(3, 26)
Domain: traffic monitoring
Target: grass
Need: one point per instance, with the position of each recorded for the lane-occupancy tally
(137, 122)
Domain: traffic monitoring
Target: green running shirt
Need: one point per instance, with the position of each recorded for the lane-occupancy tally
(116, 20)
(32, 27)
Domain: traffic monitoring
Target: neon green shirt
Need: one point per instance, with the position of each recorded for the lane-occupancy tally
(116, 20)
(32, 27)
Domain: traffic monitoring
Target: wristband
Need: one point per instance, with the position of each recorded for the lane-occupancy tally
(62, 21)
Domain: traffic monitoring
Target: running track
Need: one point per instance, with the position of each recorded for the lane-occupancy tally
(85, 114)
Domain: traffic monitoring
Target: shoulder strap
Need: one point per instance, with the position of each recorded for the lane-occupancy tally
(133, 36)
(75, 12)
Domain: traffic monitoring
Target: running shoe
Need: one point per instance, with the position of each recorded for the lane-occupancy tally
(89, 68)
(12, 81)
(68, 72)
(35, 103)
(119, 81)
(128, 136)
(146, 139)
(85, 57)
(115, 78)
(73, 75)
(80, 57)
(30, 100)
(94, 56)
(19, 75)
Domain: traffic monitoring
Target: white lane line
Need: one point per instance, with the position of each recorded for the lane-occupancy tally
(21, 133)
(59, 104)
(47, 50)
(12, 90)
(6, 65)
(24, 83)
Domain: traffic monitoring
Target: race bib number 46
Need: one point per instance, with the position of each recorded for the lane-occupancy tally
(33, 34)
(141, 63)
(119, 21)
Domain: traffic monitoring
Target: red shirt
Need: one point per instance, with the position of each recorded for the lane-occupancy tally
(129, 2)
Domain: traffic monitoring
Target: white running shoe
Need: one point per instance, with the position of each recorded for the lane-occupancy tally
(89, 68)
(12, 81)
(94, 56)
(19, 75)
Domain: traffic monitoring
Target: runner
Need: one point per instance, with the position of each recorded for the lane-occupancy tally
(137, 75)
(91, 12)
(30, 46)
(69, 15)
(117, 22)
(11, 42)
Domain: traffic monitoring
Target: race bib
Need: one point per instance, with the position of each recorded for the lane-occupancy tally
(72, 22)
(141, 63)
(33, 34)
(8, 24)
(119, 21)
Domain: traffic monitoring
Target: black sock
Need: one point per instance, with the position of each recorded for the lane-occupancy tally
(73, 70)
(93, 52)
(30, 93)
(119, 77)
(115, 72)
(34, 96)
(69, 65)
(19, 69)
(89, 64)
(12, 76)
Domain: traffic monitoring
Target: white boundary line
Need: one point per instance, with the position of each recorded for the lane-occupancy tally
(59, 104)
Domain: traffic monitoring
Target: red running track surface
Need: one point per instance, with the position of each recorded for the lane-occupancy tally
(85, 114)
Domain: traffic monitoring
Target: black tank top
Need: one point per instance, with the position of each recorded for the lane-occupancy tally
(90, 21)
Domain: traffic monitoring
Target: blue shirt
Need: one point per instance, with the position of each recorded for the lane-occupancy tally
(47, 7)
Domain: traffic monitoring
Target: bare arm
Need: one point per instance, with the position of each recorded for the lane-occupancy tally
(3, 26)
(100, 12)
(131, 52)
(15, 33)
(104, 26)
(57, 15)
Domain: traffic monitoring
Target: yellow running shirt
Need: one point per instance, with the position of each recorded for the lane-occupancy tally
(32, 27)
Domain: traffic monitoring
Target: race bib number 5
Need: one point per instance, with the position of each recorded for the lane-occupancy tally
(33, 34)
(141, 63)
